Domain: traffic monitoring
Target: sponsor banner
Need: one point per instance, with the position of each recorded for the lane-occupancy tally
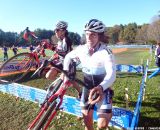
(15, 66)
(121, 117)
(129, 68)
(125, 68)
(23, 91)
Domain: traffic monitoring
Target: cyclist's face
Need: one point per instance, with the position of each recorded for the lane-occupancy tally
(92, 38)
(60, 33)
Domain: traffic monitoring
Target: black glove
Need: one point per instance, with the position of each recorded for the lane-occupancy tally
(72, 70)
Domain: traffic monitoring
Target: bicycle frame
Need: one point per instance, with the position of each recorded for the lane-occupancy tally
(58, 95)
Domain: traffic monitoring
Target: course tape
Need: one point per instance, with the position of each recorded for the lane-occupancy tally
(121, 117)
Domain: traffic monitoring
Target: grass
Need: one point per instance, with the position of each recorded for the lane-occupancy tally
(16, 114)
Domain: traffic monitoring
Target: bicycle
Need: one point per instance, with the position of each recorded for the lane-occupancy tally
(18, 66)
(54, 98)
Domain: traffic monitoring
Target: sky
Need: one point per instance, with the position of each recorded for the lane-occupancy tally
(16, 15)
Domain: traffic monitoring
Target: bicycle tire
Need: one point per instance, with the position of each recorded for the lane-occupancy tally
(15, 68)
(42, 121)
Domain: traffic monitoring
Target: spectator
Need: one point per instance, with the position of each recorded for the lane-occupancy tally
(5, 52)
(14, 49)
(157, 54)
(31, 48)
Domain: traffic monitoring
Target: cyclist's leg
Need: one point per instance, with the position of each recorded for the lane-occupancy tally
(52, 73)
(87, 116)
(105, 114)
(88, 119)
(77, 87)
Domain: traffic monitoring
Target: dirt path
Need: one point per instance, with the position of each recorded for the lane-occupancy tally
(119, 50)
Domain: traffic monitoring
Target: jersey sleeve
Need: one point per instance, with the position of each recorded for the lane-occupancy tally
(110, 68)
(71, 55)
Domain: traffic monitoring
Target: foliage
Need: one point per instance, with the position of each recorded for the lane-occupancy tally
(154, 31)
(131, 33)
(142, 35)
(11, 38)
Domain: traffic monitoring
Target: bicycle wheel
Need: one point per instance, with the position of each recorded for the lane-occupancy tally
(14, 69)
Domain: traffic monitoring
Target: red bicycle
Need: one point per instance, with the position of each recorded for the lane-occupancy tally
(18, 66)
(53, 99)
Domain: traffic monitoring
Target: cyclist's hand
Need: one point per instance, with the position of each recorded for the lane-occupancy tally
(95, 95)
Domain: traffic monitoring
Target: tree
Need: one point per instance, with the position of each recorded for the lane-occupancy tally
(142, 35)
(75, 37)
(154, 31)
(113, 33)
(129, 34)
(2, 34)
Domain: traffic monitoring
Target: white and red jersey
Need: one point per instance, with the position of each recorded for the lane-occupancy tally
(62, 45)
(98, 68)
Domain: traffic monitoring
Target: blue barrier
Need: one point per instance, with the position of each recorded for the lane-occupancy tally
(121, 117)
(154, 73)
(135, 119)
(125, 68)
(129, 68)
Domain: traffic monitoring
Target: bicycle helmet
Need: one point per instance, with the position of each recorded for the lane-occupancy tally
(61, 25)
(95, 25)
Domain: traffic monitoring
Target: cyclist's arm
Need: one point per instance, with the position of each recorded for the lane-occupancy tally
(48, 45)
(71, 55)
(110, 72)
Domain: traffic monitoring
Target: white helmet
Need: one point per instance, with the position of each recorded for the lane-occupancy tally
(61, 25)
(95, 25)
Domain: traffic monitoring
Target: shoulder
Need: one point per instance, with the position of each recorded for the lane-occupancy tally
(105, 48)
(68, 40)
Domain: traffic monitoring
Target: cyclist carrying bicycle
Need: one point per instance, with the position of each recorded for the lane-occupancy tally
(62, 47)
(99, 70)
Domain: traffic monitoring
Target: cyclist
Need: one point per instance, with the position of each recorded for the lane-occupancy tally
(63, 46)
(99, 70)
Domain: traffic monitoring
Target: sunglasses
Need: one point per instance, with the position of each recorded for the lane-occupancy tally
(57, 30)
